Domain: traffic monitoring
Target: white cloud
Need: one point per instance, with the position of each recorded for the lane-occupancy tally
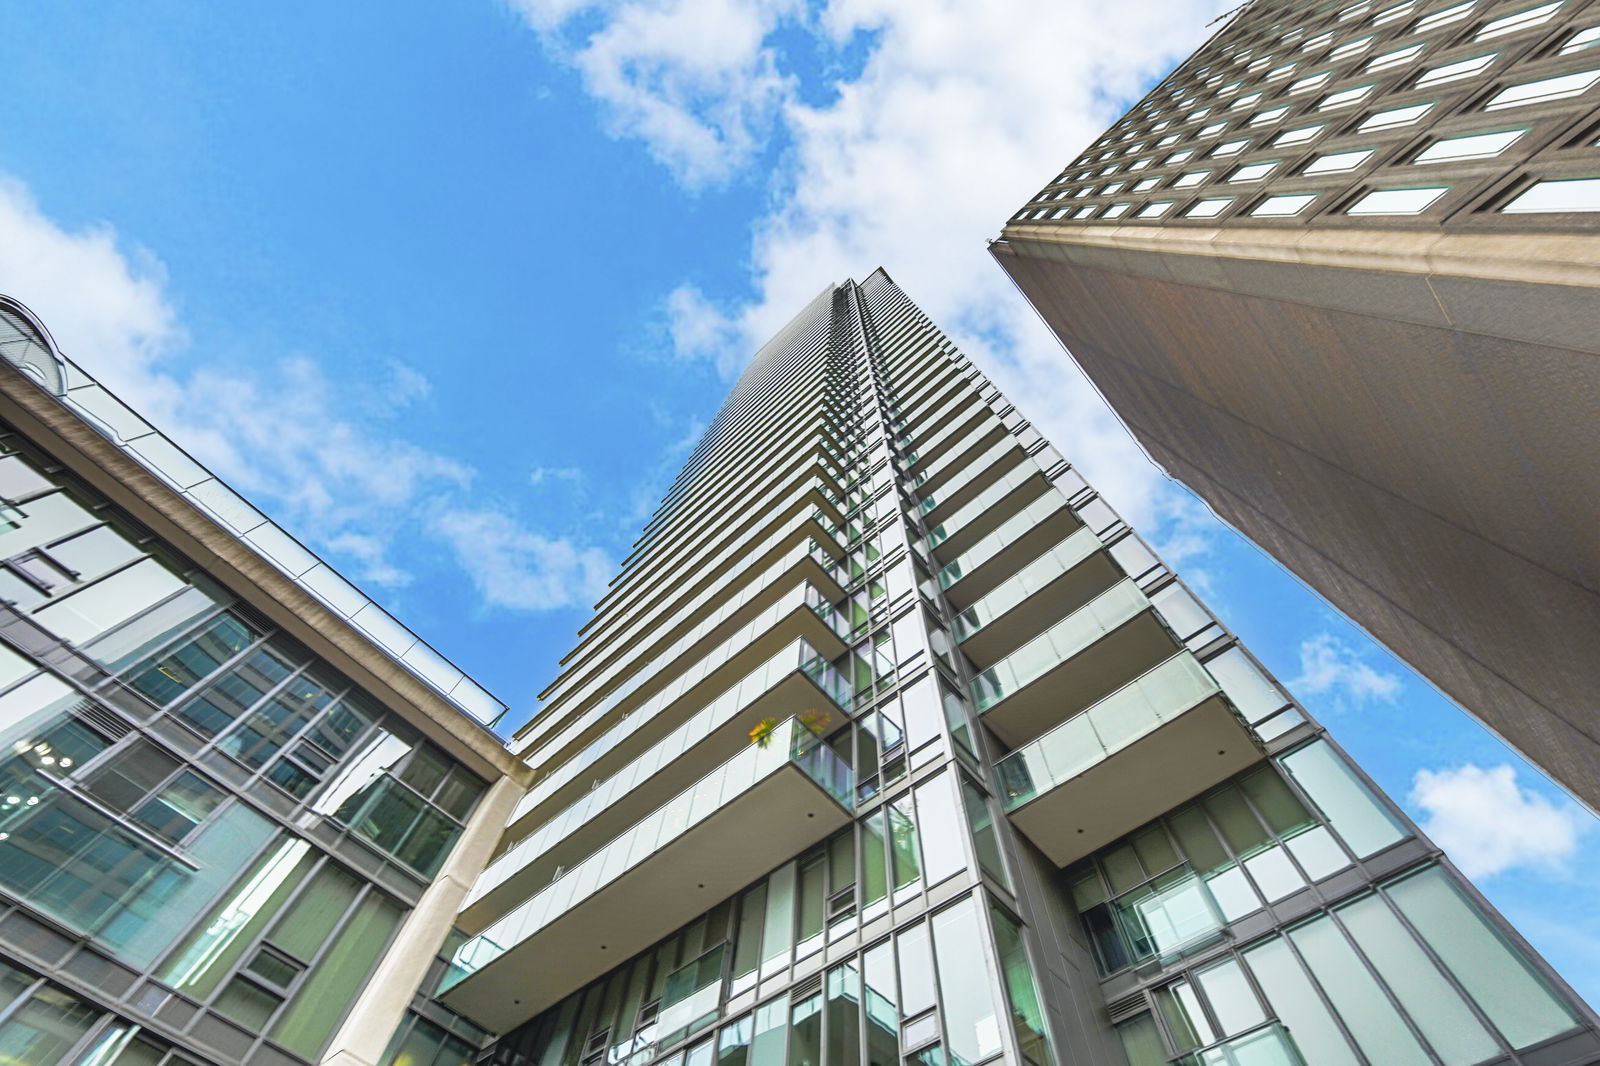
(1329, 666)
(695, 80)
(284, 433)
(515, 568)
(910, 160)
(540, 475)
(1488, 823)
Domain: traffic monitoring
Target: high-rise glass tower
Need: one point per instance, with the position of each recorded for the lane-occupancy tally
(1337, 273)
(892, 743)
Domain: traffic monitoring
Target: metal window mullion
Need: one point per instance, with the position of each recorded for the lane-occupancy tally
(1322, 995)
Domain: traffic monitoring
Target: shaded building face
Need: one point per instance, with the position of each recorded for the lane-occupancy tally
(1336, 273)
(893, 743)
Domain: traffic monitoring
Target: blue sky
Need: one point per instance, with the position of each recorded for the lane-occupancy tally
(449, 291)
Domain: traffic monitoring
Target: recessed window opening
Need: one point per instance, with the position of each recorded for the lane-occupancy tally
(1230, 147)
(1399, 116)
(1472, 146)
(1398, 57)
(1253, 172)
(1464, 68)
(1565, 195)
(1208, 208)
(1588, 38)
(1397, 201)
(1338, 162)
(1344, 97)
(1155, 210)
(1445, 17)
(1191, 179)
(1544, 90)
(1283, 206)
(1518, 21)
(1299, 135)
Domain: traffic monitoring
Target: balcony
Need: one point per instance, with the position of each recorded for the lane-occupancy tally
(1268, 1045)
(1091, 652)
(763, 806)
(1044, 521)
(579, 807)
(1158, 922)
(1158, 741)
(1056, 583)
(970, 480)
(981, 515)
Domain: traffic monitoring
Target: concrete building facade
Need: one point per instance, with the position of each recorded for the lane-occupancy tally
(893, 745)
(1337, 275)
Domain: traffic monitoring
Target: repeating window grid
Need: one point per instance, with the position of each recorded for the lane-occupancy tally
(1459, 26)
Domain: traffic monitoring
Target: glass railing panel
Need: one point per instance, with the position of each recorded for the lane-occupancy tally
(716, 790)
(1135, 709)
(1171, 915)
(799, 656)
(1269, 1045)
(1013, 480)
(1027, 581)
(996, 541)
(968, 474)
(957, 450)
(1060, 642)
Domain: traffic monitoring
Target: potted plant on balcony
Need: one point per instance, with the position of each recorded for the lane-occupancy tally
(816, 721)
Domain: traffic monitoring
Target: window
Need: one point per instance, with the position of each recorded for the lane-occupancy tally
(1085, 212)
(1263, 117)
(1252, 172)
(1280, 72)
(1444, 17)
(1355, 814)
(1519, 21)
(1449, 72)
(1546, 89)
(1398, 11)
(1115, 186)
(1209, 208)
(1116, 210)
(412, 808)
(1297, 136)
(1192, 178)
(1569, 195)
(1338, 162)
(1399, 116)
(966, 988)
(1319, 42)
(1178, 157)
(1397, 201)
(1473, 146)
(1344, 97)
(1244, 101)
(1147, 184)
(1350, 48)
(1231, 147)
(1395, 58)
(1581, 40)
(1154, 210)
(1307, 84)
(1214, 128)
(1282, 206)
(1027, 1012)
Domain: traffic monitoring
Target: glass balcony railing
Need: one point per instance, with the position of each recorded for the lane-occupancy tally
(707, 721)
(1137, 708)
(973, 470)
(790, 744)
(1027, 581)
(958, 449)
(1267, 1045)
(1004, 535)
(1060, 642)
(635, 629)
(798, 656)
(1167, 917)
(1013, 480)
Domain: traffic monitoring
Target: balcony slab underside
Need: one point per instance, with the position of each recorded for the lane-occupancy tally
(1193, 752)
(779, 817)
(1081, 681)
(982, 524)
(791, 697)
(1050, 604)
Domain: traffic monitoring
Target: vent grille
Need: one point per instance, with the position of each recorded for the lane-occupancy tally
(106, 722)
(805, 988)
(1126, 1007)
